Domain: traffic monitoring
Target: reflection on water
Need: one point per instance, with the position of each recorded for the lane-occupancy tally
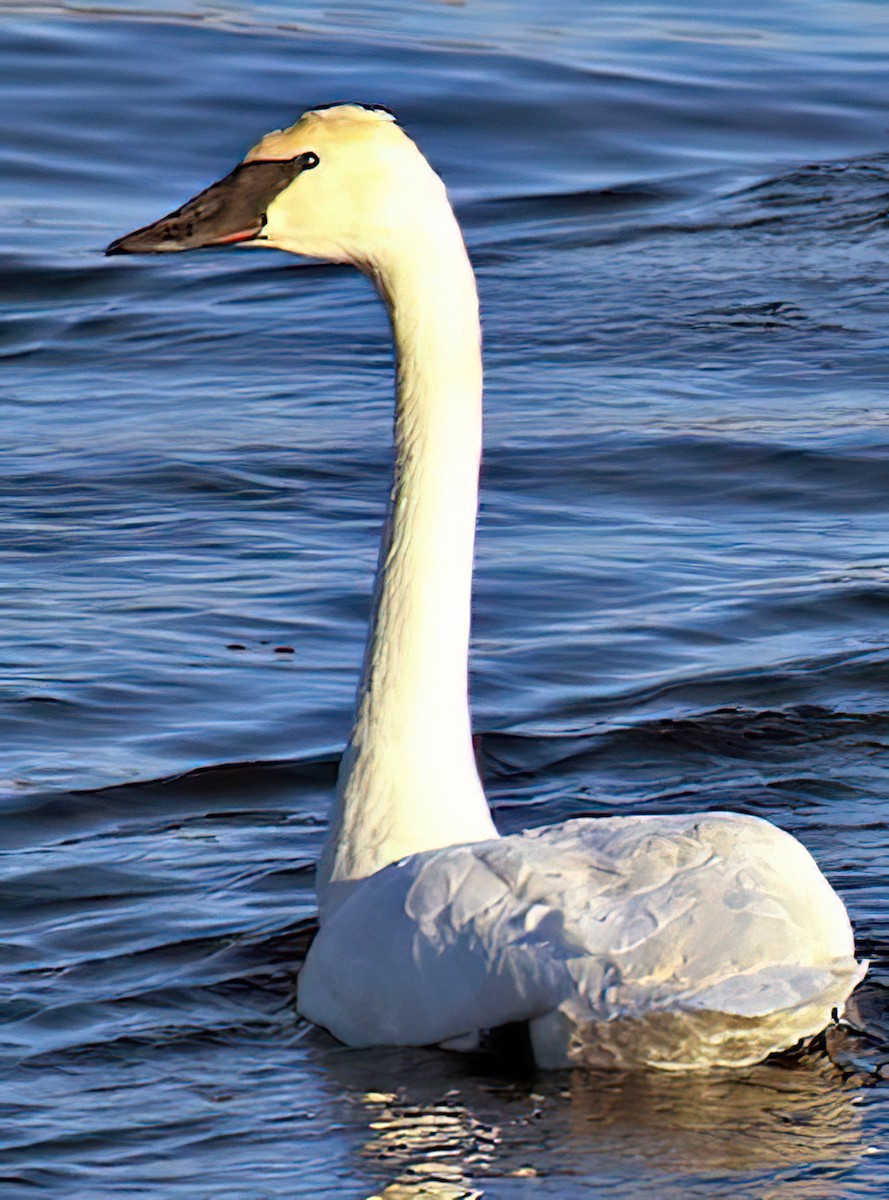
(435, 1149)
(436, 1129)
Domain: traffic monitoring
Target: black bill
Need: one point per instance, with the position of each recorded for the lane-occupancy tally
(232, 210)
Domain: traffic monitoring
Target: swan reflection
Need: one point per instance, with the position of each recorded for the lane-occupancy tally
(435, 1148)
(448, 1134)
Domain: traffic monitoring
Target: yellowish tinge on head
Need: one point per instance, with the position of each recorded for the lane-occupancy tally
(339, 124)
(369, 197)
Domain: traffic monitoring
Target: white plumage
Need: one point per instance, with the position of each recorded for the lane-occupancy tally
(676, 942)
(663, 941)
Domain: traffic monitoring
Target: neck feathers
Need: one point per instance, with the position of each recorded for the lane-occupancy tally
(408, 780)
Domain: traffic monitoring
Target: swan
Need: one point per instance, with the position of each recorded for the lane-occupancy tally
(675, 941)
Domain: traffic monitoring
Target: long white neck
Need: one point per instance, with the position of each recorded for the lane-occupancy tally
(408, 780)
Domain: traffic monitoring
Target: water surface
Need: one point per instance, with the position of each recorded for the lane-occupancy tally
(680, 222)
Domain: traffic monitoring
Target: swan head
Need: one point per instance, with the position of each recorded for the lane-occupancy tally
(344, 183)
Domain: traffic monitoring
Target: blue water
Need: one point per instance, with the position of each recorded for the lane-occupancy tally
(679, 215)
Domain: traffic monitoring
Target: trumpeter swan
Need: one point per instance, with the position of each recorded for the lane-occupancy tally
(678, 941)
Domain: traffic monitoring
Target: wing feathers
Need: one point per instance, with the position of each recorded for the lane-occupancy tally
(592, 929)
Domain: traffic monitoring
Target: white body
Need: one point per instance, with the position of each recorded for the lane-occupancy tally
(675, 942)
(669, 941)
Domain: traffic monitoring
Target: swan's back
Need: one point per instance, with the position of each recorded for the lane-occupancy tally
(670, 941)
